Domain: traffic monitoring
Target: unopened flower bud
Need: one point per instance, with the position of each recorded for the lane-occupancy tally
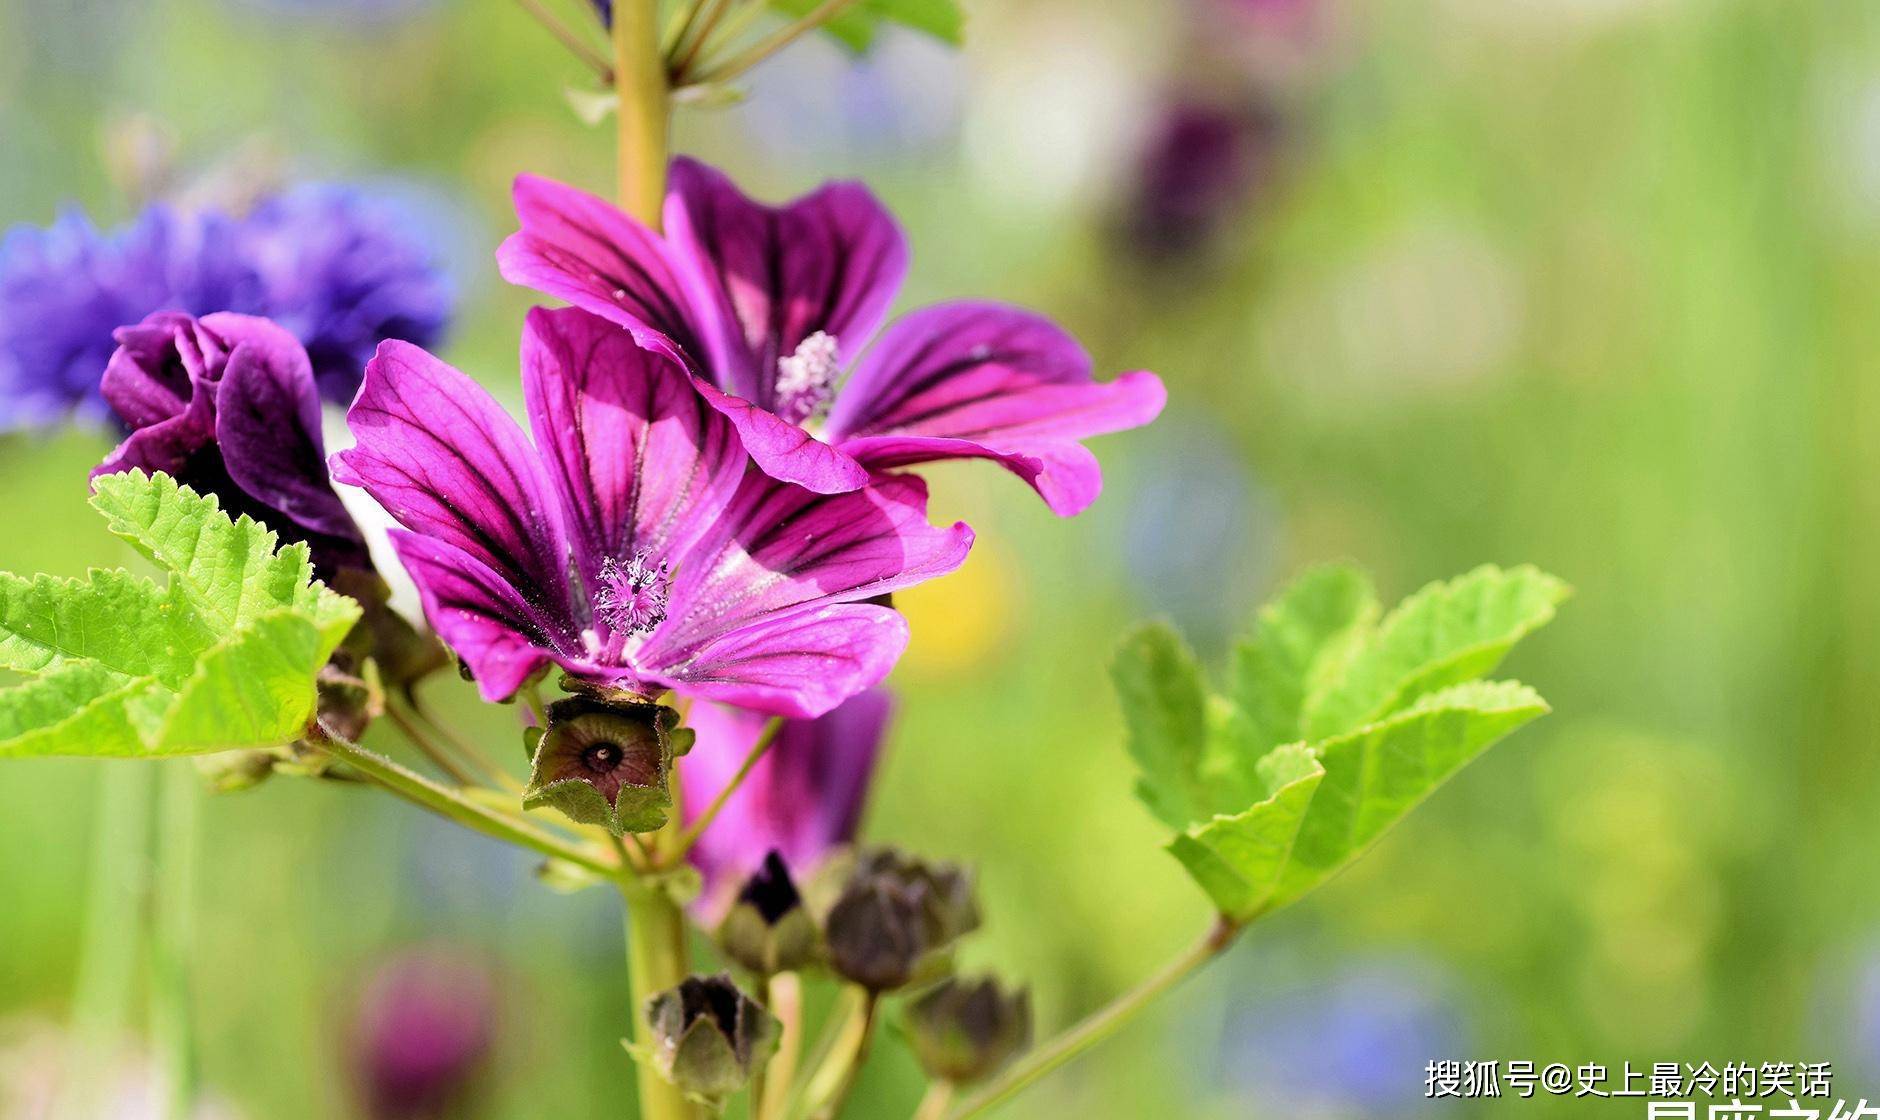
(768, 929)
(604, 762)
(967, 1030)
(709, 1036)
(896, 917)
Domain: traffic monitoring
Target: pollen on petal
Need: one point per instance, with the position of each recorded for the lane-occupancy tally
(806, 380)
(631, 598)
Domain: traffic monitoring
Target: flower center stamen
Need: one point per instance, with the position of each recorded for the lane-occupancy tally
(806, 380)
(632, 596)
(602, 757)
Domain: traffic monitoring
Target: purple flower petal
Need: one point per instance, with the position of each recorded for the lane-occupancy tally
(643, 464)
(786, 452)
(580, 248)
(830, 261)
(988, 381)
(800, 663)
(437, 451)
(268, 425)
(779, 547)
(801, 800)
(501, 636)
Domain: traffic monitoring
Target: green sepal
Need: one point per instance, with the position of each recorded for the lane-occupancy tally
(606, 763)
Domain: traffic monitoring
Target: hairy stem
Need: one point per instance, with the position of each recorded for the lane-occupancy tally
(656, 961)
(690, 835)
(423, 792)
(1100, 1025)
(645, 109)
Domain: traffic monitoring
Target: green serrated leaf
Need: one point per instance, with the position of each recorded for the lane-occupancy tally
(1378, 773)
(1299, 642)
(223, 656)
(1239, 860)
(1164, 702)
(1445, 633)
(857, 26)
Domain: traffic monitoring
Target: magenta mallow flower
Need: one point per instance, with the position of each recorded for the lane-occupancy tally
(226, 404)
(633, 543)
(773, 309)
(802, 799)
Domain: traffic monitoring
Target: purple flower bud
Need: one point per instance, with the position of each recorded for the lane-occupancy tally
(226, 406)
(423, 1029)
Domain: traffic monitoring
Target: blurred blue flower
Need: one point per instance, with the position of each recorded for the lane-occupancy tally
(1191, 484)
(1354, 1045)
(333, 264)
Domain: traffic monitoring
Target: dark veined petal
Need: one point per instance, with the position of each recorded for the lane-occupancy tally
(268, 425)
(786, 452)
(437, 451)
(983, 380)
(585, 250)
(499, 635)
(642, 461)
(779, 547)
(797, 663)
(830, 261)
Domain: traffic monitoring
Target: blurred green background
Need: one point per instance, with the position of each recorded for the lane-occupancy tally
(1584, 283)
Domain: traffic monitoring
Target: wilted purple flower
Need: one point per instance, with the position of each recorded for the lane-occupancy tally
(750, 591)
(769, 305)
(1199, 164)
(801, 800)
(226, 405)
(338, 267)
(423, 1030)
(330, 263)
(65, 288)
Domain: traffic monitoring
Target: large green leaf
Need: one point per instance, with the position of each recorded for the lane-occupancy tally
(1239, 860)
(1444, 634)
(221, 656)
(1377, 774)
(1334, 726)
(857, 25)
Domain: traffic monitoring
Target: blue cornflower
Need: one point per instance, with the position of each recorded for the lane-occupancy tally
(333, 264)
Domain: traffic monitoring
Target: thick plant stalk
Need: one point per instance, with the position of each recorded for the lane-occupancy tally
(645, 110)
(656, 946)
(656, 961)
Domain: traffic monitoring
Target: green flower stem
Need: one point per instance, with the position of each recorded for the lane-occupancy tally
(464, 750)
(427, 794)
(783, 995)
(1099, 1025)
(645, 110)
(829, 1087)
(933, 1105)
(774, 42)
(689, 837)
(682, 49)
(108, 958)
(595, 61)
(656, 962)
(439, 757)
(172, 942)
